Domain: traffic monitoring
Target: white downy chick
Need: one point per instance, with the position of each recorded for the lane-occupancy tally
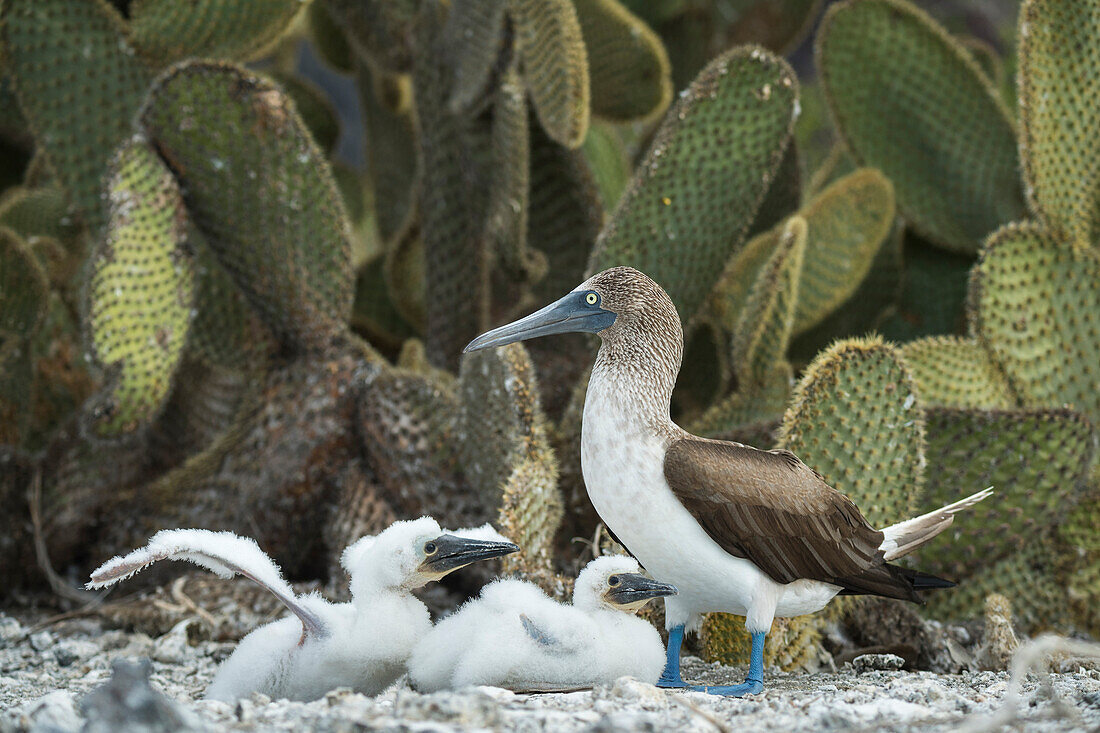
(514, 636)
(363, 644)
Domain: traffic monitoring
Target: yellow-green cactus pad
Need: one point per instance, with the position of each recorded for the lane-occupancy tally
(854, 418)
(759, 342)
(727, 299)
(951, 371)
(700, 185)
(474, 39)
(141, 291)
(910, 101)
(606, 156)
(1035, 304)
(38, 212)
(627, 63)
(79, 83)
(1059, 82)
(381, 30)
(260, 192)
(1026, 578)
(551, 50)
(1037, 463)
(168, 30)
(847, 223)
(791, 644)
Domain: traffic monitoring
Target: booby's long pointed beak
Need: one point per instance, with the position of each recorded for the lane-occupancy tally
(634, 589)
(571, 314)
(452, 553)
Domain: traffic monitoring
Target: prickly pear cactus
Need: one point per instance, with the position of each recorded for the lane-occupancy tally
(910, 101)
(1059, 73)
(238, 147)
(79, 118)
(23, 300)
(717, 152)
(505, 450)
(475, 38)
(1035, 305)
(951, 371)
(791, 644)
(141, 292)
(854, 418)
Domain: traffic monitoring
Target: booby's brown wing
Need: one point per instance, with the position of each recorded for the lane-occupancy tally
(772, 509)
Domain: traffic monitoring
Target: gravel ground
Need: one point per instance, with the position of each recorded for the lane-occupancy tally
(82, 674)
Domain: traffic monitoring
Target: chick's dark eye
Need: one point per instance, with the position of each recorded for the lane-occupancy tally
(592, 299)
(613, 581)
(430, 548)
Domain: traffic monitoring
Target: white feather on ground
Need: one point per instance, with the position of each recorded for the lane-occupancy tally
(516, 637)
(363, 644)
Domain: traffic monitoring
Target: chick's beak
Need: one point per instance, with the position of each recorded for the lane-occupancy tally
(571, 314)
(634, 589)
(453, 552)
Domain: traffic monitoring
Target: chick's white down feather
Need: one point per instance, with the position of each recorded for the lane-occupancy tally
(492, 640)
(363, 644)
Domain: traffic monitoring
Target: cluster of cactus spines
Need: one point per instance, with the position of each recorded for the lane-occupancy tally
(505, 449)
(760, 338)
(854, 417)
(165, 31)
(551, 50)
(1037, 461)
(952, 371)
(79, 118)
(791, 644)
(238, 147)
(848, 222)
(717, 151)
(910, 101)
(141, 291)
(1059, 75)
(1035, 305)
(627, 65)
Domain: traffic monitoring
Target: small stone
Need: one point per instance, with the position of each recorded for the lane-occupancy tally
(999, 641)
(53, 712)
(128, 702)
(629, 689)
(41, 641)
(10, 629)
(68, 651)
(877, 662)
(175, 646)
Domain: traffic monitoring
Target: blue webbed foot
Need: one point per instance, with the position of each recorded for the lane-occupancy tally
(748, 687)
(671, 682)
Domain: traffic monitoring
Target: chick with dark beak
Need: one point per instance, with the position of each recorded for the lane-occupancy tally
(447, 553)
(631, 591)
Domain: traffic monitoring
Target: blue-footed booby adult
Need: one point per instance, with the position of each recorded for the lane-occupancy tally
(752, 532)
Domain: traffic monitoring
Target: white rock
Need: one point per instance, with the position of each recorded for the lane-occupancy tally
(53, 712)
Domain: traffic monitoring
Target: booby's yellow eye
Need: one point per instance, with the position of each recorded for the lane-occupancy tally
(592, 299)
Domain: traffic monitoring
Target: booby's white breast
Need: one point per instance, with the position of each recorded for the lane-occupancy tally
(622, 461)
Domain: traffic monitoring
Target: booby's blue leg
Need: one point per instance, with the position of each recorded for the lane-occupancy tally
(754, 680)
(671, 676)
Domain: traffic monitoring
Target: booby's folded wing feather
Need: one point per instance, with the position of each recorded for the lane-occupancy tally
(772, 509)
(222, 553)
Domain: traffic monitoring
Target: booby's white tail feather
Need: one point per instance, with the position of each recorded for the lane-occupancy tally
(223, 553)
(904, 537)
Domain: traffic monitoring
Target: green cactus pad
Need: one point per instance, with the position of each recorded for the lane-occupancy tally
(627, 64)
(763, 330)
(784, 194)
(168, 30)
(474, 36)
(200, 409)
(910, 101)
(1059, 80)
(141, 291)
(1027, 578)
(705, 371)
(24, 291)
(951, 371)
(987, 58)
(704, 177)
(315, 108)
(727, 299)
(933, 294)
(504, 446)
(847, 223)
(391, 157)
(1078, 534)
(551, 50)
(374, 313)
(38, 212)
(328, 38)
(1035, 460)
(240, 151)
(565, 214)
(381, 30)
(606, 156)
(752, 404)
(79, 83)
(854, 418)
(1034, 304)
(405, 280)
